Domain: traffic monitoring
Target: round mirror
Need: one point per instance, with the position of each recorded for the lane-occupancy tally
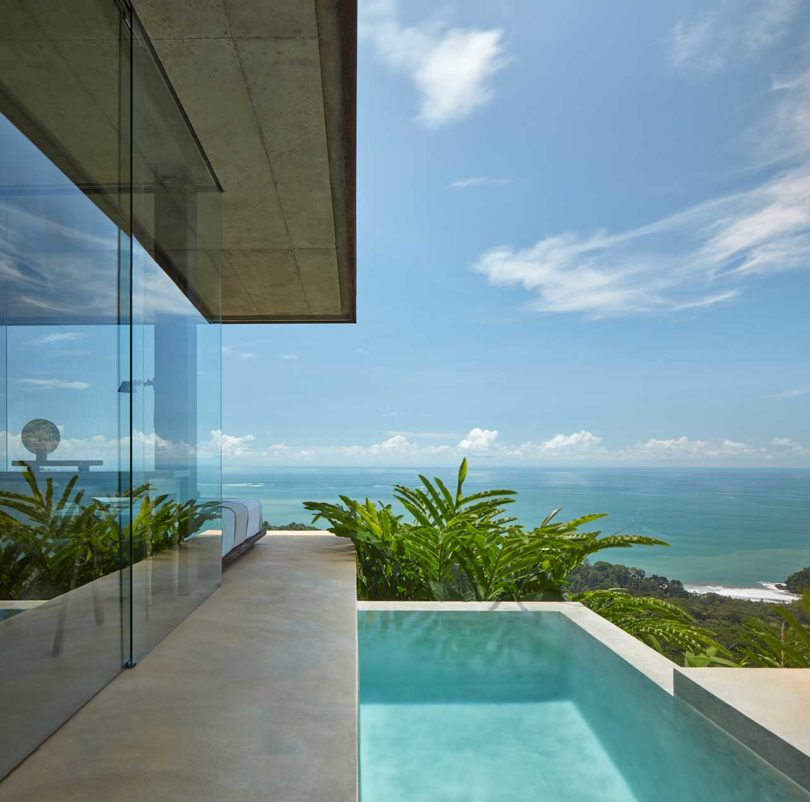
(40, 437)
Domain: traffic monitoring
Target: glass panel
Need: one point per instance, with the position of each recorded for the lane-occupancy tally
(109, 361)
(64, 177)
(176, 361)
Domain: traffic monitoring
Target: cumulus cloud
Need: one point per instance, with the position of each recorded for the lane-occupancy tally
(711, 40)
(787, 445)
(479, 440)
(231, 445)
(685, 448)
(480, 181)
(580, 439)
(576, 444)
(451, 68)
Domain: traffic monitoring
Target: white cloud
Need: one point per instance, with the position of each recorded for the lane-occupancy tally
(396, 445)
(54, 384)
(738, 31)
(734, 446)
(480, 181)
(479, 440)
(231, 445)
(679, 445)
(576, 444)
(580, 439)
(685, 448)
(289, 357)
(691, 45)
(64, 337)
(452, 68)
(577, 448)
(231, 351)
(796, 392)
(785, 445)
(699, 257)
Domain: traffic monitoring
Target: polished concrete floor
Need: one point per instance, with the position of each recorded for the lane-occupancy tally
(253, 697)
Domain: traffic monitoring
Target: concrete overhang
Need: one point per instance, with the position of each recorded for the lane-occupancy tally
(269, 87)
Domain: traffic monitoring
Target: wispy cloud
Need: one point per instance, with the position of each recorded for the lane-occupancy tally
(480, 181)
(288, 357)
(235, 352)
(703, 256)
(54, 384)
(711, 40)
(63, 337)
(794, 393)
(452, 68)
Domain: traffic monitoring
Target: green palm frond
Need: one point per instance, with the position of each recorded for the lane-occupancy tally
(786, 645)
(659, 623)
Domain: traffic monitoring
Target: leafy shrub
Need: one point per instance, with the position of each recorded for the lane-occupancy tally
(466, 548)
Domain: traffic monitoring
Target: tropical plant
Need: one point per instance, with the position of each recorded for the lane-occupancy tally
(52, 542)
(465, 547)
(712, 656)
(43, 531)
(659, 623)
(786, 645)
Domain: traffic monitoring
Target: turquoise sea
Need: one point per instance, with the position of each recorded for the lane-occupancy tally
(730, 527)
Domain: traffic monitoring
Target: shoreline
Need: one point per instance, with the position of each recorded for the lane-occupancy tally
(763, 592)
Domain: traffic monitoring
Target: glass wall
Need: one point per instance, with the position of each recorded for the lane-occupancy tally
(109, 361)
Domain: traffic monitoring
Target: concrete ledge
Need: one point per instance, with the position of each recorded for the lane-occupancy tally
(767, 709)
(253, 697)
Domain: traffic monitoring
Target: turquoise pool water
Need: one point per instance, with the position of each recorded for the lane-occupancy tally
(527, 707)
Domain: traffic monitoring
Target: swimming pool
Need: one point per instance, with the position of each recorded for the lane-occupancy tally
(513, 706)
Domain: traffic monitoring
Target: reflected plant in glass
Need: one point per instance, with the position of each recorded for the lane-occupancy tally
(52, 542)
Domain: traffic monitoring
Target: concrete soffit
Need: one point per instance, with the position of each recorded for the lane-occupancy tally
(269, 87)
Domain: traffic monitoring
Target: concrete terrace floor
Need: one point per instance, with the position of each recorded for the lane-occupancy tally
(253, 697)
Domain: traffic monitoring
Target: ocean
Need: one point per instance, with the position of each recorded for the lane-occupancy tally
(735, 529)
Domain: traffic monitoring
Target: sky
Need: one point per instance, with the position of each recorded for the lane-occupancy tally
(583, 237)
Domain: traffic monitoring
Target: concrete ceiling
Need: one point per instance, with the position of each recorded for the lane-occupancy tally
(269, 87)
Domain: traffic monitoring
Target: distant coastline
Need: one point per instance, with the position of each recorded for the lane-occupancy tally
(729, 529)
(764, 592)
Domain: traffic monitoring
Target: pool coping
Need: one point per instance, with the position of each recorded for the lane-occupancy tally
(760, 707)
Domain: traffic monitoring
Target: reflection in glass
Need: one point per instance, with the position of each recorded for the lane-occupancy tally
(109, 362)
